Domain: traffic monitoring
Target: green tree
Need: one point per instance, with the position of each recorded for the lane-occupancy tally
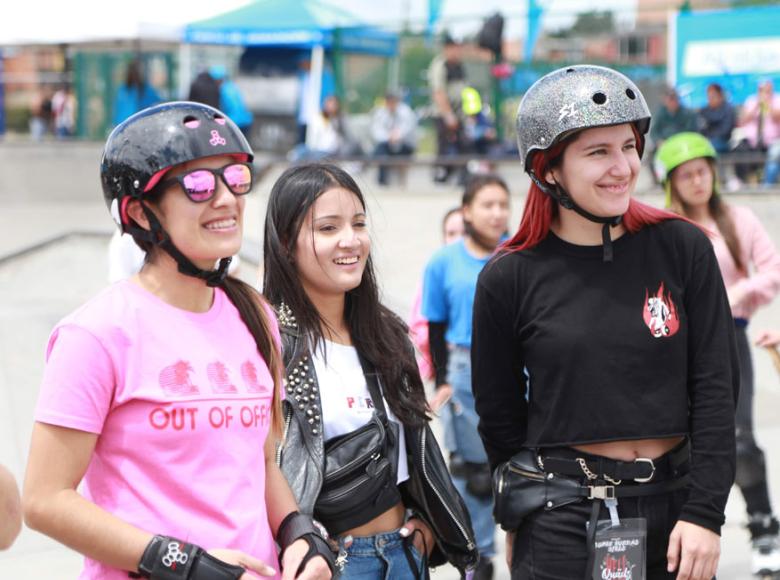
(590, 23)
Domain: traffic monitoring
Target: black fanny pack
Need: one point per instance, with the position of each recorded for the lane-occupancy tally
(521, 486)
(359, 481)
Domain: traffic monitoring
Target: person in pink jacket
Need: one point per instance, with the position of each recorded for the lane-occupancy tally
(452, 230)
(750, 265)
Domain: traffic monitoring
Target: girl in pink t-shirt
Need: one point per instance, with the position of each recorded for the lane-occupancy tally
(160, 399)
(750, 265)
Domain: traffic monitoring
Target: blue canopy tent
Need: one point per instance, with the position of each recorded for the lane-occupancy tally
(308, 25)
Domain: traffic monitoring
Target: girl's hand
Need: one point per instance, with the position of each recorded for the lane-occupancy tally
(417, 524)
(768, 338)
(315, 569)
(245, 561)
(440, 398)
(693, 551)
(510, 542)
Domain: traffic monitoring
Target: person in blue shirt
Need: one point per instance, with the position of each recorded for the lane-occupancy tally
(135, 94)
(448, 297)
(231, 101)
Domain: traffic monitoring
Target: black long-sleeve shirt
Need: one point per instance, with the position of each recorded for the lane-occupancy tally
(568, 349)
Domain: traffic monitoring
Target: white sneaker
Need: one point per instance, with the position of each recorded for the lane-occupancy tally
(766, 555)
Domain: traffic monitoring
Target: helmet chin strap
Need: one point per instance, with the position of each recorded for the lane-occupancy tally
(562, 197)
(159, 237)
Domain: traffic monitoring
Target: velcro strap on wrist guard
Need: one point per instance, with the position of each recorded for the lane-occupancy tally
(167, 558)
(297, 526)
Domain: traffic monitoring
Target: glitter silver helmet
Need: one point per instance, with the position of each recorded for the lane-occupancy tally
(577, 97)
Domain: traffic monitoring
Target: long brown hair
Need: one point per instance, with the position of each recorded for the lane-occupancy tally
(254, 312)
(719, 210)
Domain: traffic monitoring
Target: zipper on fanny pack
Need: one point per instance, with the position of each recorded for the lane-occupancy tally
(355, 462)
(358, 483)
(524, 473)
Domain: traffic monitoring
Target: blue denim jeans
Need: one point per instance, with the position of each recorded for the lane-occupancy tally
(772, 167)
(380, 557)
(461, 432)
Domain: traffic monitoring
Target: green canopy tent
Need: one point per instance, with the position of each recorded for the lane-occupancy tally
(308, 25)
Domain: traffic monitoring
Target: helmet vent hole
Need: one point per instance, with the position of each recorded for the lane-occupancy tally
(219, 119)
(599, 98)
(191, 122)
(630, 94)
(568, 70)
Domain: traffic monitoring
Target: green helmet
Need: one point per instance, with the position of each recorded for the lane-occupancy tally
(680, 148)
(675, 151)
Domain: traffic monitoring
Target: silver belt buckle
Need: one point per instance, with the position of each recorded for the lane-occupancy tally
(601, 492)
(652, 472)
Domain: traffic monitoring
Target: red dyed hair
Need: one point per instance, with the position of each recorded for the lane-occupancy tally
(540, 208)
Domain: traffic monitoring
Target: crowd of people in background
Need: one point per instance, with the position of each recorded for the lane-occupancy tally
(53, 113)
(753, 128)
(463, 123)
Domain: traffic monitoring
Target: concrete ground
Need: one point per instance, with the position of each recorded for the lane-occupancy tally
(47, 193)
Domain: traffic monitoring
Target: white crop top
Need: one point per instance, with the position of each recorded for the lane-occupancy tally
(346, 402)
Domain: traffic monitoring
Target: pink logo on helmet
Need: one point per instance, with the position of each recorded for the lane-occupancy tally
(217, 139)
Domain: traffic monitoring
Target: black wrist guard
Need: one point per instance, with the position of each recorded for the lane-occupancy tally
(297, 526)
(171, 559)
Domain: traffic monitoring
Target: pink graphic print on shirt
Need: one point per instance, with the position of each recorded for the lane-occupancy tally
(660, 313)
(218, 376)
(249, 374)
(175, 379)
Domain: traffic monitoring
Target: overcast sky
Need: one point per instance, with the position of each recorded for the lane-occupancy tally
(57, 20)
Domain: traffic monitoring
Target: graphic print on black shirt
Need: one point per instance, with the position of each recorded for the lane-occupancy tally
(660, 313)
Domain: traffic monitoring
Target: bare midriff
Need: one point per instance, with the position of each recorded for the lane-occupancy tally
(630, 450)
(388, 521)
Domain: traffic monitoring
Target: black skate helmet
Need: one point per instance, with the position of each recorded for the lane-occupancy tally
(141, 149)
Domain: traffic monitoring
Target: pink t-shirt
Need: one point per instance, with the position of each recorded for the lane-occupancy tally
(758, 253)
(182, 405)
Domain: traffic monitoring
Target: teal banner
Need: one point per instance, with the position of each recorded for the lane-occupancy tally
(535, 12)
(434, 13)
(736, 48)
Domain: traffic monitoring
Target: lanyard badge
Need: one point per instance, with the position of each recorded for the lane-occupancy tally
(620, 547)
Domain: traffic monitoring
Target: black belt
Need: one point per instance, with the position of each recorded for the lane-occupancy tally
(602, 476)
(572, 462)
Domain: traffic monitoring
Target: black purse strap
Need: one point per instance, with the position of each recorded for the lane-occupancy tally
(372, 381)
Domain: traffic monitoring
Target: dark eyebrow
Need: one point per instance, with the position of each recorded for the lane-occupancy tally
(606, 145)
(333, 217)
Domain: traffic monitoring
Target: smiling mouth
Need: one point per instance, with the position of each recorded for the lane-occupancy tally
(615, 187)
(348, 261)
(224, 224)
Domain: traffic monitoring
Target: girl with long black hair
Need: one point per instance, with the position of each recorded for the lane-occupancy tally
(351, 374)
